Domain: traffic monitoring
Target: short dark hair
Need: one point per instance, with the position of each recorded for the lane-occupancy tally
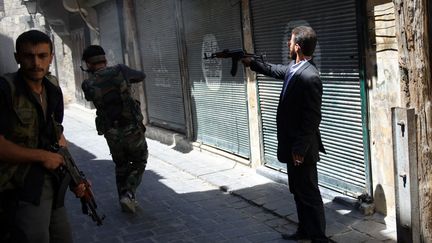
(93, 51)
(34, 37)
(306, 38)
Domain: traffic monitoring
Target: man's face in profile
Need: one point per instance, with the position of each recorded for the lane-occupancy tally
(292, 47)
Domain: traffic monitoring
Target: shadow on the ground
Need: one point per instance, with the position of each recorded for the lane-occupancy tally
(174, 207)
(344, 223)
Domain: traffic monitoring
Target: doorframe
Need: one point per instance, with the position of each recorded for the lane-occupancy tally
(362, 28)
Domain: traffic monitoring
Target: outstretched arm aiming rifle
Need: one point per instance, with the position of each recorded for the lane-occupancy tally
(235, 55)
(82, 186)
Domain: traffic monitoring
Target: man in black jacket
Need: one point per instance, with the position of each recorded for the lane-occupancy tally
(299, 140)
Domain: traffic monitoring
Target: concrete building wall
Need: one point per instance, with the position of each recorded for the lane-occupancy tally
(16, 20)
(255, 132)
(384, 93)
(64, 68)
(110, 33)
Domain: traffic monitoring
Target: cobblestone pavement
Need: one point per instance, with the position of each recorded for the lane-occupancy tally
(175, 206)
(196, 196)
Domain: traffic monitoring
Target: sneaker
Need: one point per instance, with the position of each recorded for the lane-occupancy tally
(128, 203)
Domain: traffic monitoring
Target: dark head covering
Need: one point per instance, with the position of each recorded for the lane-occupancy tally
(94, 54)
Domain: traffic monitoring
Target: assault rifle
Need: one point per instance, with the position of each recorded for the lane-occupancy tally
(88, 202)
(235, 55)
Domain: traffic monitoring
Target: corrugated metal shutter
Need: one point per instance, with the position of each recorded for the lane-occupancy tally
(336, 55)
(78, 43)
(219, 100)
(110, 37)
(157, 32)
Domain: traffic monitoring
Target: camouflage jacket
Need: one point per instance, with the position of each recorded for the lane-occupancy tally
(110, 91)
(23, 123)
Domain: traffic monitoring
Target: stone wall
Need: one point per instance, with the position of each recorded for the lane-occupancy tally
(384, 93)
(15, 19)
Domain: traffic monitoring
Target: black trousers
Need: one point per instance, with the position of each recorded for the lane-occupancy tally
(303, 183)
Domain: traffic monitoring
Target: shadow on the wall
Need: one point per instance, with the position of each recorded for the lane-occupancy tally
(7, 60)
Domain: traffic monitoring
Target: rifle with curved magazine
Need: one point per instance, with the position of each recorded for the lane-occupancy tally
(235, 55)
(88, 202)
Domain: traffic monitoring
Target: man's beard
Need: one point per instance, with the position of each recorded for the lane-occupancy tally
(293, 55)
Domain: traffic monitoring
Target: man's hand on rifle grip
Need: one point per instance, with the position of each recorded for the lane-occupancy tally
(62, 141)
(246, 61)
(51, 160)
(80, 189)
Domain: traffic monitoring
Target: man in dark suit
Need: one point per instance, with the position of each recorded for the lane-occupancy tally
(299, 140)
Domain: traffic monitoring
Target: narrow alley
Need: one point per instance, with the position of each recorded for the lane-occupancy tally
(175, 206)
(183, 199)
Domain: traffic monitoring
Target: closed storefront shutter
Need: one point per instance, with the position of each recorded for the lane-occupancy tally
(343, 168)
(78, 43)
(157, 33)
(218, 99)
(110, 32)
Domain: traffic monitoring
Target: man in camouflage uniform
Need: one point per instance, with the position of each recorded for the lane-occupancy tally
(119, 119)
(31, 111)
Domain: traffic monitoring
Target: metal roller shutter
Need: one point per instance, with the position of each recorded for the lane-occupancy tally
(110, 33)
(157, 33)
(78, 43)
(219, 100)
(337, 58)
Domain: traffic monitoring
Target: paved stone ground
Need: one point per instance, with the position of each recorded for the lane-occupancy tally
(175, 206)
(196, 197)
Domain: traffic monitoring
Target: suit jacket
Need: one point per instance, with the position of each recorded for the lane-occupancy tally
(298, 112)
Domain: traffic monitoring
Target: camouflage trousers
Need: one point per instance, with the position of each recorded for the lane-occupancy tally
(129, 152)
